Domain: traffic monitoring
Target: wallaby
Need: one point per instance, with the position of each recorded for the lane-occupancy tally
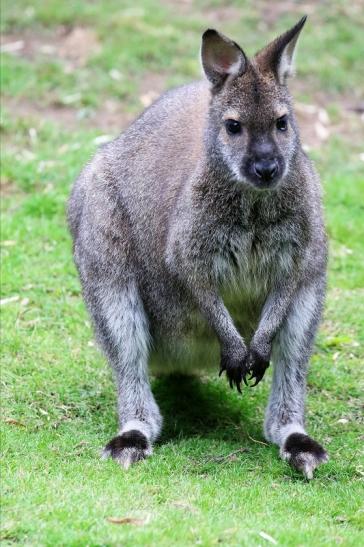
(209, 188)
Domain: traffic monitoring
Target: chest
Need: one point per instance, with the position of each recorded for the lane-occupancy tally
(254, 256)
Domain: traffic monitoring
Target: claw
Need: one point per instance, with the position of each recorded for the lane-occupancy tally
(257, 380)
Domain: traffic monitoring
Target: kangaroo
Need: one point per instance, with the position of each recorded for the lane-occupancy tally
(208, 190)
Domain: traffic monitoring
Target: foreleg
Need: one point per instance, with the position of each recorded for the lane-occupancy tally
(272, 316)
(233, 349)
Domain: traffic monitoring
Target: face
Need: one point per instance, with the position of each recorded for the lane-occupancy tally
(255, 132)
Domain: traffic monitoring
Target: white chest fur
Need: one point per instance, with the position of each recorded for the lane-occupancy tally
(254, 260)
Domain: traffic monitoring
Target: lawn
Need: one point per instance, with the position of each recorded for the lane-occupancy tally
(73, 75)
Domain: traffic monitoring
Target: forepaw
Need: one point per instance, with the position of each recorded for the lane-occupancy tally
(256, 367)
(303, 453)
(236, 369)
(128, 448)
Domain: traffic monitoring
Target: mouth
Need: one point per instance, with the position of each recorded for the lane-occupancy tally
(264, 185)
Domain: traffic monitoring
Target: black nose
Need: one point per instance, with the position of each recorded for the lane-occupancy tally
(266, 169)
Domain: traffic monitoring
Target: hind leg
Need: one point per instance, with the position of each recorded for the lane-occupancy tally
(284, 423)
(122, 328)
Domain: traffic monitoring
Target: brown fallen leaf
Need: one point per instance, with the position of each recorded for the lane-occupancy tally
(126, 520)
(11, 421)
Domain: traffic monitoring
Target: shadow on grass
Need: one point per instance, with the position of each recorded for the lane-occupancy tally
(191, 408)
(195, 408)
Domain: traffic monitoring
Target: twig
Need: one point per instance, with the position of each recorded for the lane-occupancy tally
(218, 459)
(255, 441)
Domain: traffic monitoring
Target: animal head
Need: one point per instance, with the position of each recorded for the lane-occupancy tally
(251, 126)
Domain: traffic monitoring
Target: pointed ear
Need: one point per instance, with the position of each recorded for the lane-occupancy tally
(278, 56)
(221, 57)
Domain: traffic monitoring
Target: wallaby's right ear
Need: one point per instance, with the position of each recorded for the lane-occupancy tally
(221, 57)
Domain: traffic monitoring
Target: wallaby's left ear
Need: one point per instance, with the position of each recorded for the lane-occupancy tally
(278, 56)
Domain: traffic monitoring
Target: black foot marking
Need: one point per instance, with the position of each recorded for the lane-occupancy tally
(256, 366)
(235, 370)
(128, 448)
(303, 453)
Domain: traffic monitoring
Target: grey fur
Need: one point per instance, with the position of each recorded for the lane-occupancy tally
(177, 209)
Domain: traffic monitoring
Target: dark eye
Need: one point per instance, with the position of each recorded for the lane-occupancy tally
(282, 124)
(232, 127)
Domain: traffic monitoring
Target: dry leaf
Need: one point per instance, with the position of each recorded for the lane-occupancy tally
(126, 520)
(11, 421)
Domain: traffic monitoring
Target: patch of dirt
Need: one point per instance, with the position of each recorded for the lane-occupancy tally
(73, 45)
(314, 123)
(150, 87)
(183, 7)
(221, 14)
(211, 14)
(272, 11)
(109, 119)
(78, 45)
(317, 124)
(8, 188)
(25, 108)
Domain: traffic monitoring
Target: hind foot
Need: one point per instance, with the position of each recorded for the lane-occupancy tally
(128, 448)
(303, 453)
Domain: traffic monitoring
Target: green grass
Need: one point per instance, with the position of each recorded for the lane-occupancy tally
(211, 479)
